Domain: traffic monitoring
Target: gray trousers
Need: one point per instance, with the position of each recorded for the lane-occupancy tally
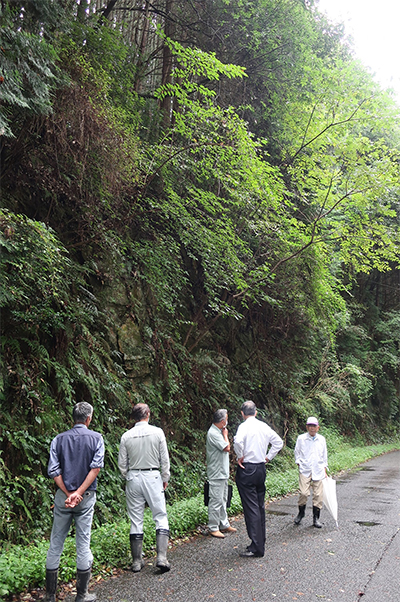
(82, 514)
(145, 487)
(218, 496)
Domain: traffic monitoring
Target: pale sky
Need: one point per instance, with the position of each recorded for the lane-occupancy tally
(374, 27)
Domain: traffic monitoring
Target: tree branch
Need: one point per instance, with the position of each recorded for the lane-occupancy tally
(328, 127)
(178, 152)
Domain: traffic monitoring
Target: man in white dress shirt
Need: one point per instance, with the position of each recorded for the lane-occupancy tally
(143, 451)
(311, 456)
(251, 443)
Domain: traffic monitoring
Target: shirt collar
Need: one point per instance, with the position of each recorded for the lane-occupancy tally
(79, 425)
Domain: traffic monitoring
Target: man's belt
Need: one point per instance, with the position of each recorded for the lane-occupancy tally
(142, 469)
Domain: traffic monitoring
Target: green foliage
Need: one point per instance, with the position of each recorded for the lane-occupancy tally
(111, 543)
(279, 484)
(28, 71)
(50, 358)
(22, 567)
(246, 248)
(194, 64)
(189, 473)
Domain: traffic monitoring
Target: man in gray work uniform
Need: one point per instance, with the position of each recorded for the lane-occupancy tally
(142, 451)
(76, 457)
(217, 450)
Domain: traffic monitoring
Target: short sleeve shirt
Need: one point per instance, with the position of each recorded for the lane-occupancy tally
(217, 459)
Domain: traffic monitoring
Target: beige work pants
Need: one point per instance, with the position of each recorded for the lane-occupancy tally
(305, 483)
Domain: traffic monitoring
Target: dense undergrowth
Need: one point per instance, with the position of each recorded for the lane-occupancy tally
(189, 222)
(23, 566)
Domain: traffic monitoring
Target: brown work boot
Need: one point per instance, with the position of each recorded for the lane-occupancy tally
(229, 530)
(217, 534)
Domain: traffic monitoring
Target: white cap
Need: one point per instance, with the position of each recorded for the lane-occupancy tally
(312, 420)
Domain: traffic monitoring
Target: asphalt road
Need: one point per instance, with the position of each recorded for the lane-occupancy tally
(360, 560)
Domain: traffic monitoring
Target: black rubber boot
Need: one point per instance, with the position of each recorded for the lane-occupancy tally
(316, 512)
(136, 540)
(162, 537)
(51, 585)
(82, 584)
(300, 516)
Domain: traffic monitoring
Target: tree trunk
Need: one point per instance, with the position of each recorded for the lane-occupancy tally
(142, 48)
(82, 10)
(166, 103)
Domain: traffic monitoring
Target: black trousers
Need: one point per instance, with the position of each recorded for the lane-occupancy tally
(250, 482)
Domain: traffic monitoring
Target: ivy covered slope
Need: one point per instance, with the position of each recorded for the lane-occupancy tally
(199, 206)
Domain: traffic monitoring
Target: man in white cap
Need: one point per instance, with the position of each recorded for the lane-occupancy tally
(311, 457)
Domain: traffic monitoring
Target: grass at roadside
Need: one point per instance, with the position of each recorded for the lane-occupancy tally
(23, 567)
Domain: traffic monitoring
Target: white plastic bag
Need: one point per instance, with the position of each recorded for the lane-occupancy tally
(330, 498)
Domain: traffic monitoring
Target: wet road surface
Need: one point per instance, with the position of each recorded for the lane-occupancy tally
(360, 560)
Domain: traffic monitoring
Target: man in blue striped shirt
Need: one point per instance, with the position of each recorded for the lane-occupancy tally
(76, 457)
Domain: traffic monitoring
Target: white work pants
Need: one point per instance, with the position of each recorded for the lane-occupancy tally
(141, 487)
